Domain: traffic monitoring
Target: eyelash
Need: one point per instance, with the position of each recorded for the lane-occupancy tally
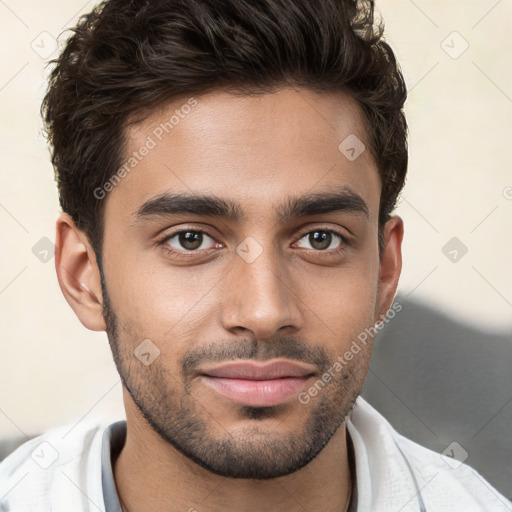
(183, 254)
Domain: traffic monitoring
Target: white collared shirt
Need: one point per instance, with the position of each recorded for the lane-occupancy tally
(68, 469)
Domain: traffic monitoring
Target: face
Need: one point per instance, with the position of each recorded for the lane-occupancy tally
(244, 234)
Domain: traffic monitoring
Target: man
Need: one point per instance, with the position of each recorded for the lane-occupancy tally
(227, 172)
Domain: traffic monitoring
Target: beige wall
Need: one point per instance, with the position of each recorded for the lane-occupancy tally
(52, 370)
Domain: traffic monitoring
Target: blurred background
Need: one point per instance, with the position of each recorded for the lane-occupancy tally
(442, 370)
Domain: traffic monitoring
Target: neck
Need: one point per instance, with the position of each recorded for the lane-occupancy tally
(151, 474)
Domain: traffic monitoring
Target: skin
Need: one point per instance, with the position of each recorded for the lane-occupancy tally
(297, 300)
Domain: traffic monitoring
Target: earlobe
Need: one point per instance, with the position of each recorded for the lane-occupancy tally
(78, 273)
(390, 264)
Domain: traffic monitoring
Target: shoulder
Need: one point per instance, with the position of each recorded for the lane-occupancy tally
(448, 480)
(426, 478)
(51, 467)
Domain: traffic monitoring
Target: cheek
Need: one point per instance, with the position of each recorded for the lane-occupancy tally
(158, 301)
(347, 294)
(342, 305)
(346, 316)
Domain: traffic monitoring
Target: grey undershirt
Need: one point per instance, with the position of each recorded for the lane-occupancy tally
(114, 438)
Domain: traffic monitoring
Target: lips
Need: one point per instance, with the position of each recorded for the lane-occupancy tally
(260, 371)
(258, 384)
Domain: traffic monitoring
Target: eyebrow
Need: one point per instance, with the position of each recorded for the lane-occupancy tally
(167, 204)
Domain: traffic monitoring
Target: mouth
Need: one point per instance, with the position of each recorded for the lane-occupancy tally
(256, 384)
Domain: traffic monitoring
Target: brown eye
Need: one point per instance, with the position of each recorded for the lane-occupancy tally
(189, 240)
(321, 240)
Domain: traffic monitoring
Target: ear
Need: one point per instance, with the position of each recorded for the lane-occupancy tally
(78, 273)
(390, 264)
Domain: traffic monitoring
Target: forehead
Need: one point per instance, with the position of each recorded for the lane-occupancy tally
(254, 149)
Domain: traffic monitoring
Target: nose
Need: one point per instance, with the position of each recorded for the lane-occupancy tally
(259, 296)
